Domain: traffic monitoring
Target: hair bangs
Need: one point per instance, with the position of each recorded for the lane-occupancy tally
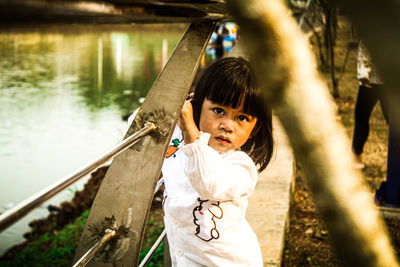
(226, 92)
(253, 106)
(238, 88)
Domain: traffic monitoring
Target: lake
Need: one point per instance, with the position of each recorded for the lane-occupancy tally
(63, 93)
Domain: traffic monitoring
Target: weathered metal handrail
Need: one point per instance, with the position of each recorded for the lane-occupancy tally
(85, 259)
(21, 209)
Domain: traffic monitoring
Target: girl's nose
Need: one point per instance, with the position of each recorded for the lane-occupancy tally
(226, 125)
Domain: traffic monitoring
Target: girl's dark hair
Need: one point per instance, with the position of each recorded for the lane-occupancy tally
(230, 82)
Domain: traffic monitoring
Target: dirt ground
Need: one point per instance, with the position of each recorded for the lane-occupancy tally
(307, 240)
(306, 243)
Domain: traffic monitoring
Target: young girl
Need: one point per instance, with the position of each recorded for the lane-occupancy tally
(210, 169)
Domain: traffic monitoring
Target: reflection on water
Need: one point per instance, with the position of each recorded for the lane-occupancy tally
(63, 92)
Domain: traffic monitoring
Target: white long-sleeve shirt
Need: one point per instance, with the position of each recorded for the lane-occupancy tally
(205, 201)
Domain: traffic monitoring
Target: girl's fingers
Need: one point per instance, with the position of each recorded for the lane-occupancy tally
(187, 109)
(186, 117)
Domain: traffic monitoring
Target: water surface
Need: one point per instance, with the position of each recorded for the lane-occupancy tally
(63, 93)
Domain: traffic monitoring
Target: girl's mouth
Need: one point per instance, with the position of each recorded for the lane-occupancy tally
(223, 140)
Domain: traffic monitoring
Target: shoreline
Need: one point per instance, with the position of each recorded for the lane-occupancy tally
(61, 215)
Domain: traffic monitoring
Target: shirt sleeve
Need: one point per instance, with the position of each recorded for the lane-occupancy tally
(219, 177)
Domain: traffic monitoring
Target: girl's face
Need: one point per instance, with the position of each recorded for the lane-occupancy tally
(229, 128)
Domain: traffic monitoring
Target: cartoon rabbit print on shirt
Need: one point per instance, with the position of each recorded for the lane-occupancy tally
(205, 219)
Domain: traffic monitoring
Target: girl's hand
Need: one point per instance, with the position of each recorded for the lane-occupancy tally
(187, 125)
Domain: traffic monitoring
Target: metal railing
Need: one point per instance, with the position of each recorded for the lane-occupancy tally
(88, 256)
(23, 208)
(153, 249)
(156, 244)
(110, 234)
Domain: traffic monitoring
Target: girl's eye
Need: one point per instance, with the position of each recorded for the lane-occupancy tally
(242, 118)
(219, 111)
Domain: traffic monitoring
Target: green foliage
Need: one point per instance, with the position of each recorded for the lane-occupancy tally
(150, 239)
(158, 258)
(57, 248)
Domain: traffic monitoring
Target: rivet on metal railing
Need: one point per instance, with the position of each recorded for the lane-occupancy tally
(88, 256)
